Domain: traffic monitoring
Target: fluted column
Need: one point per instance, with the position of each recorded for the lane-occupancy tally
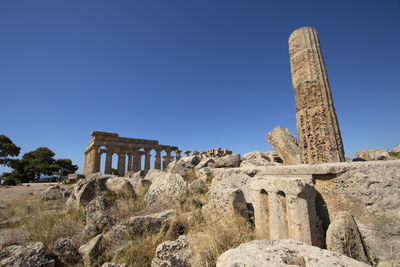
(121, 164)
(164, 164)
(187, 153)
(178, 154)
(98, 162)
(157, 161)
(168, 157)
(107, 168)
(147, 159)
(318, 130)
(130, 161)
(137, 160)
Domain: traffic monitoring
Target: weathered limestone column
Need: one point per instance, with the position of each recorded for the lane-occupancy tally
(137, 160)
(168, 158)
(147, 159)
(318, 130)
(91, 159)
(178, 154)
(121, 164)
(187, 153)
(278, 221)
(157, 162)
(107, 169)
(164, 162)
(130, 158)
(98, 161)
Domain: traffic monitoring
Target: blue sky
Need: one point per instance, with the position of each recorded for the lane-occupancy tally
(195, 74)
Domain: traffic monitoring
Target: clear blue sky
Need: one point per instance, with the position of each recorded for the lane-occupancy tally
(195, 74)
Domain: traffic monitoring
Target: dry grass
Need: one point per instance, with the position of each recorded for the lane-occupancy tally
(217, 234)
(46, 221)
(190, 176)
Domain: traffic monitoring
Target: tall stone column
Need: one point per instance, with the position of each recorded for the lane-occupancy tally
(157, 162)
(318, 130)
(178, 154)
(98, 162)
(91, 160)
(147, 159)
(187, 153)
(167, 158)
(137, 161)
(121, 164)
(164, 162)
(129, 162)
(107, 169)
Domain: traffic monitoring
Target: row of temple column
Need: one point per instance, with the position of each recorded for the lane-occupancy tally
(135, 160)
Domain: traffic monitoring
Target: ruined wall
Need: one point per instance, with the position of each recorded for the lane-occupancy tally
(318, 131)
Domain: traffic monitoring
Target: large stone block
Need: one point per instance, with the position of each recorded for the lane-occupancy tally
(285, 144)
(284, 207)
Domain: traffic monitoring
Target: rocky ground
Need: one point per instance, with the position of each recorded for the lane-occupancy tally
(196, 213)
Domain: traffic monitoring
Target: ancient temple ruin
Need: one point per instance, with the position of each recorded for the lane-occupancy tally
(126, 148)
(318, 131)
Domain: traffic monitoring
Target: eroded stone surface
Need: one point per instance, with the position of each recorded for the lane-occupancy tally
(173, 253)
(51, 193)
(33, 254)
(318, 130)
(343, 237)
(373, 154)
(283, 252)
(284, 208)
(285, 144)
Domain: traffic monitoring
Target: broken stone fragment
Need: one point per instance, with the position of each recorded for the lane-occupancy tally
(285, 144)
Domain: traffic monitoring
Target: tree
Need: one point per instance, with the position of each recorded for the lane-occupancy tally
(40, 161)
(7, 149)
(65, 167)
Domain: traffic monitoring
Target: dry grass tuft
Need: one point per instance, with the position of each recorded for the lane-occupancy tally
(190, 176)
(217, 234)
(46, 221)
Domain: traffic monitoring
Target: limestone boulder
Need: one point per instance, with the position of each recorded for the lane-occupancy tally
(285, 144)
(228, 161)
(13, 236)
(65, 251)
(232, 178)
(258, 159)
(92, 250)
(51, 193)
(87, 189)
(198, 187)
(344, 237)
(373, 154)
(117, 235)
(165, 188)
(205, 174)
(33, 254)
(153, 174)
(229, 200)
(140, 185)
(138, 174)
(120, 186)
(184, 164)
(205, 162)
(176, 253)
(283, 252)
(139, 225)
(97, 220)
